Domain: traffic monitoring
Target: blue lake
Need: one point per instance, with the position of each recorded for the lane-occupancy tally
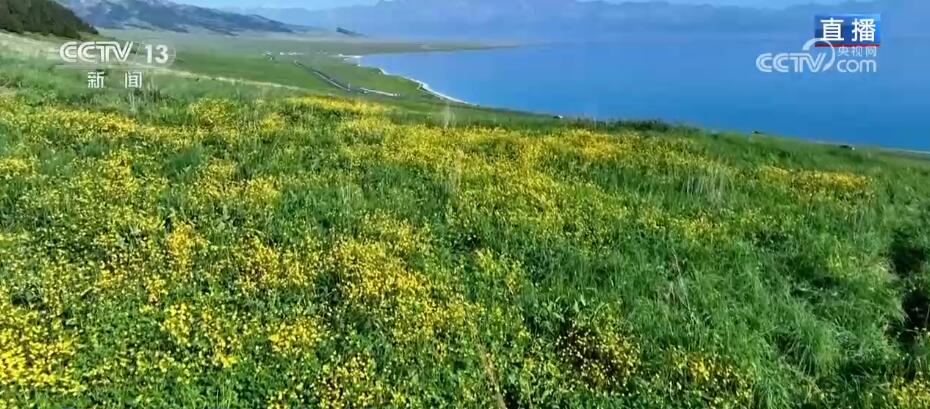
(708, 82)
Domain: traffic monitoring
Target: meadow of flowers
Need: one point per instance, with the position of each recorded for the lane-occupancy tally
(202, 249)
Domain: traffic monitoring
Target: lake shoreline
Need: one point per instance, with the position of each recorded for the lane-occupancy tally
(422, 84)
(426, 87)
(640, 80)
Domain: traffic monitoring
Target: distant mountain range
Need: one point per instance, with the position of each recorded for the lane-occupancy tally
(570, 19)
(166, 15)
(497, 19)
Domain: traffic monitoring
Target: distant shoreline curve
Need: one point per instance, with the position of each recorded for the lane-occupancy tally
(424, 86)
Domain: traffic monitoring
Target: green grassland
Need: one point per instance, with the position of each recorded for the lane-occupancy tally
(243, 57)
(329, 43)
(284, 71)
(201, 245)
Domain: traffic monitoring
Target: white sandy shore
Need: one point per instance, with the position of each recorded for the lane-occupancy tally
(424, 86)
(350, 59)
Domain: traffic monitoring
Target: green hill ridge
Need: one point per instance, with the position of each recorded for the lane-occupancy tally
(42, 17)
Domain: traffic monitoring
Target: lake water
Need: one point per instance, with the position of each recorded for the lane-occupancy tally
(712, 83)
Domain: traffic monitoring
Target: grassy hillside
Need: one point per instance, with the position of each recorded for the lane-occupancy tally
(41, 16)
(197, 245)
(245, 57)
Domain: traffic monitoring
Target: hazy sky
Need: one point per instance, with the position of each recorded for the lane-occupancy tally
(318, 4)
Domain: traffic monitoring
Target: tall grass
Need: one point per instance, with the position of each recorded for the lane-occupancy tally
(219, 247)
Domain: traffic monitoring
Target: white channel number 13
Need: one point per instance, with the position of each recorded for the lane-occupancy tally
(157, 54)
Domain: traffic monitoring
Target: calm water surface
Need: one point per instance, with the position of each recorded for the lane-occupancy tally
(711, 83)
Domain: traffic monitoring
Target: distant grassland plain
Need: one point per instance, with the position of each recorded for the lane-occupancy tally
(245, 57)
(197, 244)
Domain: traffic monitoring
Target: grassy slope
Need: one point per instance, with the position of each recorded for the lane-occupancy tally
(218, 246)
(41, 16)
(284, 71)
(242, 57)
